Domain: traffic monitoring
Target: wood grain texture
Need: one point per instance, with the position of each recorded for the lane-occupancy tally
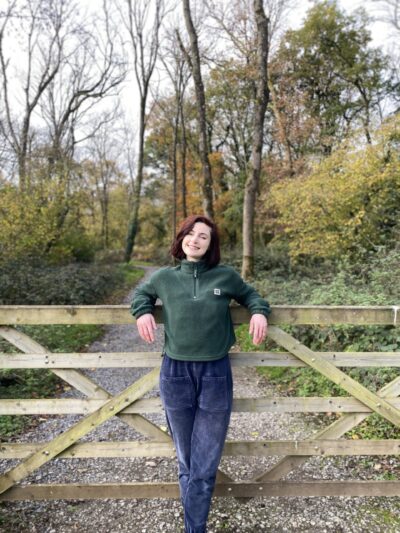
(120, 314)
(304, 489)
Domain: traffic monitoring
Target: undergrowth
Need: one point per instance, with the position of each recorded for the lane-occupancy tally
(376, 282)
(42, 383)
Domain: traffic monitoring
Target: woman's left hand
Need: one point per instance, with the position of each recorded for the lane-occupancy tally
(258, 328)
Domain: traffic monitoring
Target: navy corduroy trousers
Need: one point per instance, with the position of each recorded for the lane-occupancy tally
(197, 398)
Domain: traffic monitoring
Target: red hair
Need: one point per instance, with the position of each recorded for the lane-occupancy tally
(213, 255)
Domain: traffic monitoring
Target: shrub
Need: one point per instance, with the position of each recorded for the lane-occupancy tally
(373, 282)
(41, 284)
(348, 205)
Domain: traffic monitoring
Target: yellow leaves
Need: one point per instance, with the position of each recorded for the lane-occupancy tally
(28, 220)
(345, 201)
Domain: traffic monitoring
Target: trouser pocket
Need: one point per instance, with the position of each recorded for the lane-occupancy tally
(176, 392)
(214, 395)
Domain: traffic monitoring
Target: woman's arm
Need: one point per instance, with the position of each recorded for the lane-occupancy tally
(144, 300)
(259, 308)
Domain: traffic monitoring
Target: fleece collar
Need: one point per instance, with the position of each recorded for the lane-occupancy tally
(188, 267)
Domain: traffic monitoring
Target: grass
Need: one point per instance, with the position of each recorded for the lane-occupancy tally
(382, 516)
(142, 263)
(130, 275)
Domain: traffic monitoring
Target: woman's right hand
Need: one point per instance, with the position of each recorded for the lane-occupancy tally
(146, 326)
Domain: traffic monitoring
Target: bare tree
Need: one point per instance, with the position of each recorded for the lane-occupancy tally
(41, 24)
(145, 41)
(128, 135)
(389, 11)
(234, 23)
(176, 66)
(236, 107)
(194, 62)
(252, 182)
(104, 153)
(92, 69)
(183, 144)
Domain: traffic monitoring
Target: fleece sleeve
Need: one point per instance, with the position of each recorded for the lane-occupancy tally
(144, 299)
(247, 296)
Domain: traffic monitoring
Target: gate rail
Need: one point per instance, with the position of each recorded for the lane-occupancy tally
(130, 407)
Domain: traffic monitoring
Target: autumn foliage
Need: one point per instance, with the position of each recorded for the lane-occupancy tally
(348, 204)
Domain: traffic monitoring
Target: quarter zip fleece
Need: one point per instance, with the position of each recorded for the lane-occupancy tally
(196, 298)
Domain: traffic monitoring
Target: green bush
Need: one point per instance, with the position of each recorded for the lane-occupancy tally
(74, 245)
(373, 282)
(42, 284)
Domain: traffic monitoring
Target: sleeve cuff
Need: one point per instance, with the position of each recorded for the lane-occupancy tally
(264, 312)
(138, 314)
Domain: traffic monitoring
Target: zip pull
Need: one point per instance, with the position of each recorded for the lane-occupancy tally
(195, 283)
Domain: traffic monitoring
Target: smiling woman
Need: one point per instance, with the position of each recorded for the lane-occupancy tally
(196, 378)
(197, 239)
(196, 242)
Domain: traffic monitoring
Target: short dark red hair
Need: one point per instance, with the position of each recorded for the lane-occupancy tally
(213, 255)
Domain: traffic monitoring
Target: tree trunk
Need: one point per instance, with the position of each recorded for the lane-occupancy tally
(183, 160)
(253, 178)
(201, 110)
(145, 46)
(282, 129)
(175, 169)
(134, 221)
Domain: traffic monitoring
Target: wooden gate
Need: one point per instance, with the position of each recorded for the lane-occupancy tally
(130, 407)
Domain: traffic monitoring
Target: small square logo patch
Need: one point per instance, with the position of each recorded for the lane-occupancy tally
(217, 292)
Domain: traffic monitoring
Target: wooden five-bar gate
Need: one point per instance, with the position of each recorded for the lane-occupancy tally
(130, 407)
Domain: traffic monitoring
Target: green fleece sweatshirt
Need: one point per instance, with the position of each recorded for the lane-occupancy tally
(196, 298)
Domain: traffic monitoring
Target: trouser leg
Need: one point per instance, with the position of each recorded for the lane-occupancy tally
(198, 400)
(178, 397)
(181, 427)
(214, 405)
(209, 432)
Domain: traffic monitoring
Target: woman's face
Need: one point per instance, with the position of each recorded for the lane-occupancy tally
(195, 244)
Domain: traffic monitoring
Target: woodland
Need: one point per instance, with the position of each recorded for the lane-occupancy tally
(119, 121)
(77, 169)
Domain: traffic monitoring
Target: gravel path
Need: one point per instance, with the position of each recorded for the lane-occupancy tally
(380, 515)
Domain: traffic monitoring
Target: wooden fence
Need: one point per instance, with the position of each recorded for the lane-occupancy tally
(130, 407)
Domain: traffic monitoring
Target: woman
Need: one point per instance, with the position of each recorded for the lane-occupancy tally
(196, 377)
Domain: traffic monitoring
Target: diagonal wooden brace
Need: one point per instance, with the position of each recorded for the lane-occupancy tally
(84, 426)
(75, 378)
(370, 399)
(84, 384)
(335, 430)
